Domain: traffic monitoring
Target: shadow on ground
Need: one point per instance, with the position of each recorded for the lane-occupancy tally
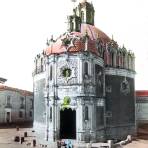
(14, 125)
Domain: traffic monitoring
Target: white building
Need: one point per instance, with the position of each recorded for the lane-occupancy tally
(16, 105)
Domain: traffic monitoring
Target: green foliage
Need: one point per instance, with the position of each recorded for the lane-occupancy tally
(66, 72)
(66, 102)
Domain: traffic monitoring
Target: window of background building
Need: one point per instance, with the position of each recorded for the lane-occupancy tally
(30, 113)
(31, 103)
(20, 114)
(22, 102)
(8, 100)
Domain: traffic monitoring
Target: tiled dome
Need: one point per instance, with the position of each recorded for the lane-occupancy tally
(76, 41)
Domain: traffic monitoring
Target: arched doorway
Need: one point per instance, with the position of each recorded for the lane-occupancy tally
(68, 124)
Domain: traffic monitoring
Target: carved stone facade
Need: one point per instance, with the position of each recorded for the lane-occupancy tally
(84, 84)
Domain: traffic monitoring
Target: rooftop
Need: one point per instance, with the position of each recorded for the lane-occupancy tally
(76, 42)
(142, 93)
(22, 92)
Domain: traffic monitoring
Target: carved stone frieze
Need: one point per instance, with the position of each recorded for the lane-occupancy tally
(69, 41)
(124, 87)
(67, 72)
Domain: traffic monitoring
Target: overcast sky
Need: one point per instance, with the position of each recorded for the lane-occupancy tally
(26, 24)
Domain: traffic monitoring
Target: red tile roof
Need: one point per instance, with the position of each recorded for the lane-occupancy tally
(142, 93)
(94, 32)
(78, 42)
(22, 92)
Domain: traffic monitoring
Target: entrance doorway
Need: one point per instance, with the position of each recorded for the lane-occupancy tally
(68, 124)
(8, 117)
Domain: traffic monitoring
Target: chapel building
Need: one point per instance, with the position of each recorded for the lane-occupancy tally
(84, 86)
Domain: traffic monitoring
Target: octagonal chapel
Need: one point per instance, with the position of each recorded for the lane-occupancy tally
(84, 84)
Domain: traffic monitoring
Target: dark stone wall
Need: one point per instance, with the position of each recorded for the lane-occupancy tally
(119, 102)
(99, 80)
(39, 101)
(99, 116)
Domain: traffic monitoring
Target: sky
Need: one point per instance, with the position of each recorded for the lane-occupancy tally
(25, 26)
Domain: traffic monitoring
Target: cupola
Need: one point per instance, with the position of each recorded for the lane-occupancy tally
(85, 11)
(82, 14)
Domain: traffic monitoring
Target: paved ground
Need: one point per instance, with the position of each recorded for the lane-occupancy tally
(7, 139)
(138, 144)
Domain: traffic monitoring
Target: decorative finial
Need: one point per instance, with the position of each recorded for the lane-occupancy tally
(112, 37)
(86, 34)
(47, 42)
(51, 39)
(86, 37)
(74, 12)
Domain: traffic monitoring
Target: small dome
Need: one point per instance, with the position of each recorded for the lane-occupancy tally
(74, 41)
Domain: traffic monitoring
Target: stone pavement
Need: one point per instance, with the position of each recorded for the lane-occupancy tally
(7, 140)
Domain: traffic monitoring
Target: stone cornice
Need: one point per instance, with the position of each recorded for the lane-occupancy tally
(119, 72)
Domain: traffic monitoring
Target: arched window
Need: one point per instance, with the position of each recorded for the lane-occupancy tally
(112, 60)
(50, 72)
(35, 66)
(106, 57)
(41, 64)
(117, 60)
(86, 68)
(124, 61)
(82, 17)
(132, 63)
(129, 62)
(121, 60)
(50, 117)
(86, 113)
(8, 100)
(72, 26)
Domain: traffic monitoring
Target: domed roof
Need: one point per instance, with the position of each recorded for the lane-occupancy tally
(76, 41)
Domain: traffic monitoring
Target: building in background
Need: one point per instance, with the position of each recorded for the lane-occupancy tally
(84, 84)
(16, 105)
(142, 106)
(2, 80)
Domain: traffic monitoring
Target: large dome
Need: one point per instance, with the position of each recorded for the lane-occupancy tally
(75, 41)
